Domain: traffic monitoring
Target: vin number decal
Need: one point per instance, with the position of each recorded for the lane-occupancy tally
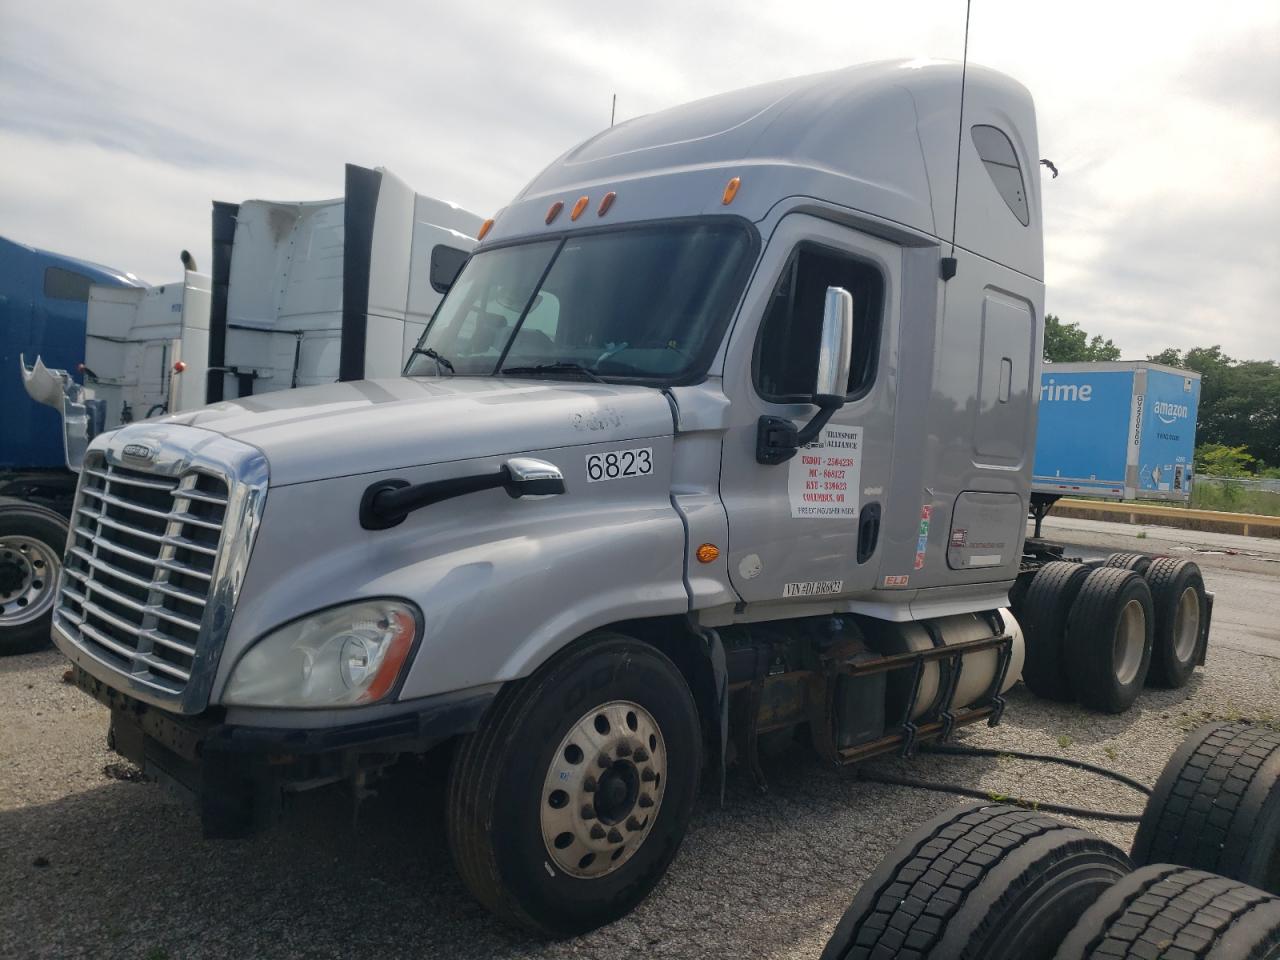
(619, 464)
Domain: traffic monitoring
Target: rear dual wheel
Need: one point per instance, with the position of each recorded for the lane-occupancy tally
(569, 803)
(32, 540)
(1109, 639)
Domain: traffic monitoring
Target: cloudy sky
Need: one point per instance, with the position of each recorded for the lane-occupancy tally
(120, 121)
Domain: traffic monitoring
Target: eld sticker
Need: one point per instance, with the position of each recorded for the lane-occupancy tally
(812, 588)
(619, 464)
(824, 476)
(898, 581)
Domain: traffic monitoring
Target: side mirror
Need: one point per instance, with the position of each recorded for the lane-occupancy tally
(777, 438)
(527, 477)
(835, 349)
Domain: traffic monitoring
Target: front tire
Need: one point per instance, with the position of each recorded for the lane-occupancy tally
(569, 803)
(32, 540)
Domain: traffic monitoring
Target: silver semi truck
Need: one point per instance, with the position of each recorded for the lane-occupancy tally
(722, 436)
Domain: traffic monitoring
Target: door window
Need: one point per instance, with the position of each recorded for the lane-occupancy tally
(787, 348)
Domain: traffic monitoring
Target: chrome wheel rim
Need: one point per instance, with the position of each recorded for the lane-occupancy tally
(1186, 624)
(603, 789)
(1131, 638)
(28, 579)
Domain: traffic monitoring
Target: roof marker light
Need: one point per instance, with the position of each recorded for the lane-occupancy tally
(730, 191)
(606, 202)
(579, 207)
(553, 211)
(484, 228)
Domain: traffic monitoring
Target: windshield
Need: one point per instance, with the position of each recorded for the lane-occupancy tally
(644, 303)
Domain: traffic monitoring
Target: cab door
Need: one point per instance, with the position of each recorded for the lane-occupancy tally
(810, 527)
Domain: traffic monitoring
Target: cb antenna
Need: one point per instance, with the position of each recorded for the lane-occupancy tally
(964, 67)
(613, 111)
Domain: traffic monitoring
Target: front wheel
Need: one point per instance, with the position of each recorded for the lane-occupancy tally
(31, 543)
(569, 803)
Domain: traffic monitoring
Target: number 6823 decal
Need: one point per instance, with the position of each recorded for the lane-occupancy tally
(619, 464)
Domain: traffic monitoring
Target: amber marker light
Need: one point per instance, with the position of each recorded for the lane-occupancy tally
(606, 202)
(179, 366)
(708, 553)
(484, 229)
(553, 211)
(730, 191)
(403, 629)
(579, 207)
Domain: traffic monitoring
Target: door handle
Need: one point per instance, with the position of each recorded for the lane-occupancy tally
(868, 531)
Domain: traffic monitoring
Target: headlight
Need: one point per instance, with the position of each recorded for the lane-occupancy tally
(344, 656)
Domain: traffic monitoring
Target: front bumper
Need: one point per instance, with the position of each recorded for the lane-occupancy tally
(237, 775)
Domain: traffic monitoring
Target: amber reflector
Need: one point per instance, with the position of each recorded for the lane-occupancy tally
(579, 207)
(485, 228)
(606, 202)
(553, 211)
(730, 191)
(708, 553)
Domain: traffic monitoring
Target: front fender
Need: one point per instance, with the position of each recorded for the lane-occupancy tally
(503, 584)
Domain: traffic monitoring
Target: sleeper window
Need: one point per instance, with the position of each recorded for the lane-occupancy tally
(787, 348)
(63, 284)
(1002, 166)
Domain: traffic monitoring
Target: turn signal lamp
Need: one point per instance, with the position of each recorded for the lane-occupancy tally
(553, 211)
(484, 228)
(179, 366)
(579, 207)
(606, 202)
(730, 191)
(708, 553)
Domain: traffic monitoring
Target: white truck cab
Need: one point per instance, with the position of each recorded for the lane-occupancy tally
(722, 435)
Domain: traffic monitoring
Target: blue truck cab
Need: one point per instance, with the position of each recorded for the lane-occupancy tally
(1116, 430)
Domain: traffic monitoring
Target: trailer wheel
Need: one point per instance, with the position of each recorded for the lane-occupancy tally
(1137, 562)
(569, 803)
(1046, 608)
(983, 882)
(32, 540)
(1177, 593)
(1171, 912)
(1216, 806)
(1110, 639)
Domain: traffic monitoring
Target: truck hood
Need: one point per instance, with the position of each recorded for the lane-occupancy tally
(368, 426)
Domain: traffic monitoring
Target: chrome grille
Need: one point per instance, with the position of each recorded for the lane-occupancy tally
(140, 566)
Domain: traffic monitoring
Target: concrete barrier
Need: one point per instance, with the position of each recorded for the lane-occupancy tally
(1213, 521)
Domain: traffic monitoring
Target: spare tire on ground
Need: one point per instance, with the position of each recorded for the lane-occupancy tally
(1173, 913)
(1137, 562)
(1181, 610)
(1216, 806)
(1045, 609)
(1109, 638)
(982, 882)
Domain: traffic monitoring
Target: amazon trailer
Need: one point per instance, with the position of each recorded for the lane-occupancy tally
(1119, 431)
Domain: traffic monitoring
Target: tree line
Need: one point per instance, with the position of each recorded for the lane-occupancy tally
(1238, 433)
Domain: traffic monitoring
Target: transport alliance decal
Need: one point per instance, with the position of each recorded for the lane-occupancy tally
(824, 476)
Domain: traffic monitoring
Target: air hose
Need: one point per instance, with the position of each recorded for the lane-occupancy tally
(960, 751)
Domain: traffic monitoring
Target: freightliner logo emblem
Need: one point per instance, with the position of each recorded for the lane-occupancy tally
(138, 451)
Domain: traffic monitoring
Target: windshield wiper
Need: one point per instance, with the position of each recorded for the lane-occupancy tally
(430, 352)
(564, 366)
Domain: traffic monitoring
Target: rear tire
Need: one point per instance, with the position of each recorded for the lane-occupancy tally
(1110, 639)
(1045, 611)
(1137, 562)
(1177, 595)
(32, 541)
(983, 882)
(1216, 806)
(1171, 912)
(611, 721)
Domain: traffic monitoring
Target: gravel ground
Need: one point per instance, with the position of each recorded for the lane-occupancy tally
(96, 866)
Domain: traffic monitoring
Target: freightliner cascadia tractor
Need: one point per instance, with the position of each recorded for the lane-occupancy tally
(722, 437)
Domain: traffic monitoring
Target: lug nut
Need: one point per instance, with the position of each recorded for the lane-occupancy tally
(615, 836)
(647, 775)
(641, 755)
(634, 824)
(597, 832)
(645, 801)
(624, 749)
(605, 761)
(588, 812)
(589, 785)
